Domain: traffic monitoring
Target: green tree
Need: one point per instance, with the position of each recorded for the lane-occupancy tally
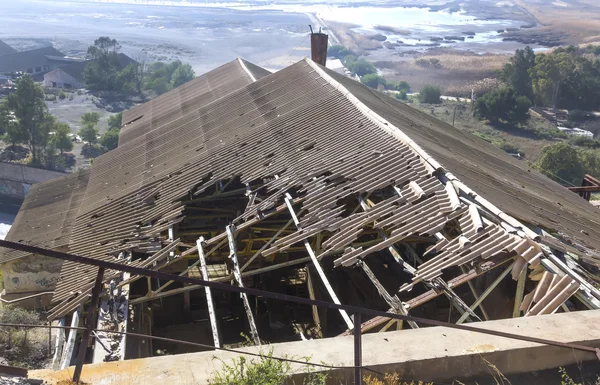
(402, 86)
(181, 75)
(101, 73)
(430, 94)
(562, 163)
(110, 139)
(115, 121)
(361, 67)
(372, 80)
(549, 75)
(90, 118)
(338, 51)
(126, 80)
(516, 73)
(32, 118)
(401, 95)
(503, 104)
(89, 133)
(160, 86)
(60, 140)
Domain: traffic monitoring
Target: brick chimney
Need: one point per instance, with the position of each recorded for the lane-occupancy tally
(318, 46)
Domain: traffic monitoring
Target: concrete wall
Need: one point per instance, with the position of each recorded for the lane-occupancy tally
(61, 78)
(15, 179)
(428, 354)
(28, 276)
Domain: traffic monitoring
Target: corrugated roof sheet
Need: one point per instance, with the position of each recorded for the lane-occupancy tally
(47, 215)
(6, 49)
(194, 94)
(510, 184)
(299, 129)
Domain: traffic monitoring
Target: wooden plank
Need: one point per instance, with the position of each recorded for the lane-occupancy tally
(277, 234)
(475, 294)
(238, 277)
(315, 309)
(58, 345)
(519, 293)
(208, 292)
(318, 268)
(393, 301)
(487, 292)
(65, 361)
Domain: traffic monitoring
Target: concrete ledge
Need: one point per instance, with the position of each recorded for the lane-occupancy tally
(425, 354)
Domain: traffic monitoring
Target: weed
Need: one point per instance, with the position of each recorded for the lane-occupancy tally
(265, 371)
(567, 380)
(20, 346)
(391, 379)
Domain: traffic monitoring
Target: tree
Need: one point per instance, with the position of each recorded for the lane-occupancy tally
(110, 139)
(338, 51)
(60, 140)
(33, 122)
(562, 163)
(89, 133)
(430, 94)
(372, 80)
(126, 80)
(516, 73)
(181, 75)
(115, 121)
(503, 104)
(548, 76)
(141, 70)
(401, 95)
(361, 67)
(402, 86)
(101, 73)
(90, 118)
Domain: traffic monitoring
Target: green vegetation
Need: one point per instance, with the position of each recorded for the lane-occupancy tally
(567, 380)
(24, 119)
(338, 52)
(505, 105)
(110, 139)
(373, 80)
(90, 118)
(361, 67)
(430, 94)
(390, 379)
(163, 77)
(60, 139)
(105, 73)
(27, 348)
(267, 370)
(516, 72)
(567, 164)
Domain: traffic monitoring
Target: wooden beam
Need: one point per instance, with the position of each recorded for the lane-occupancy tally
(519, 293)
(208, 292)
(58, 345)
(238, 277)
(67, 356)
(487, 291)
(89, 325)
(393, 301)
(277, 234)
(476, 294)
(315, 309)
(334, 298)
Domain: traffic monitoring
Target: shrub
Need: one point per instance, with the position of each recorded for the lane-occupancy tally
(402, 86)
(391, 379)
(430, 94)
(89, 133)
(338, 51)
(110, 139)
(266, 370)
(503, 105)
(401, 95)
(577, 116)
(62, 95)
(25, 347)
(583, 141)
(361, 67)
(372, 80)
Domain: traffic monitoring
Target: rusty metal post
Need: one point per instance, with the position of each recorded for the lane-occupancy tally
(357, 349)
(89, 325)
(318, 47)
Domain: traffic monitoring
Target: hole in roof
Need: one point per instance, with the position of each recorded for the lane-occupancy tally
(270, 155)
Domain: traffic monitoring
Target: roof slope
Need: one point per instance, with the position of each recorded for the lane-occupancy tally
(20, 61)
(48, 213)
(6, 49)
(299, 130)
(74, 70)
(200, 91)
(510, 184)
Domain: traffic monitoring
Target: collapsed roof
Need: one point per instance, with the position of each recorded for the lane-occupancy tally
(364, 173)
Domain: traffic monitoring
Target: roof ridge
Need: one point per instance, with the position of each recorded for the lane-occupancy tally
(241, 61)
(382, 123)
